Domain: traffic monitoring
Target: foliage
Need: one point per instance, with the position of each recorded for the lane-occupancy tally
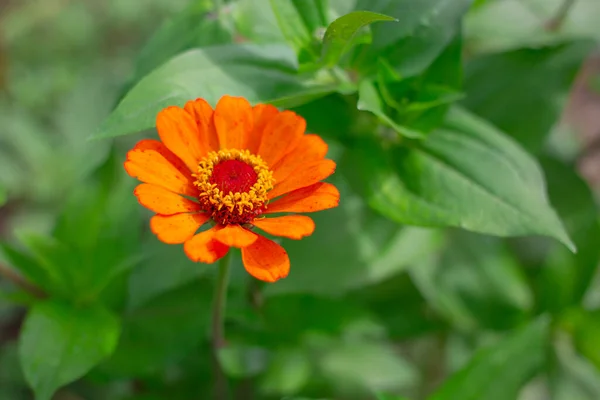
(461, 263)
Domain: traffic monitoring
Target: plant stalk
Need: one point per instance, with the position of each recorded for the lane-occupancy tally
(217, 325)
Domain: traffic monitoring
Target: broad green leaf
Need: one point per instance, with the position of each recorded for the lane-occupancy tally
(299, 21)
(466, 175)
(425, 28)
(25, 264)
(351, 247)
(475, 283)
(565, 277)
(499, 372)
(340, 33)
(500, 87)
(60, 343)
(586, 330)
(195, 26)
(161, 331)
(260, 73)
(255, 20)
(288, 372)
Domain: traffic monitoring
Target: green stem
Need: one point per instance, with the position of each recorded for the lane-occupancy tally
(555, 23)
(217, 331)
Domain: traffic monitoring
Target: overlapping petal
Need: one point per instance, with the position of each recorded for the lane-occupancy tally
(289, 226)
(177, 228)
(262, 115)
(317, 197)
(311, 148)
(235, 236)
(303, 176)
(178, 131)
(283, 132)
(204, 248)
(234, 122)
(202, 113)
(163, 201)
(266, 260)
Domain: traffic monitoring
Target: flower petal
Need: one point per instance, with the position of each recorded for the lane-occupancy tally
(289, 226)
(234, 122)
(162, 201)
(266, 260)
(179, 132)
(317, 197)
(151, 162)
(176, 228)
(303, 176)
(283, 132)
(203, 113)
(263, 114)
(204, 248)
(310, 148)
(235, 236)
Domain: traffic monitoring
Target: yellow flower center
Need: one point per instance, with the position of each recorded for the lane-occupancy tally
(233, 185)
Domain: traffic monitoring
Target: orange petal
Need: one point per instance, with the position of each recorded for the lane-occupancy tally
(266, 260)
(317, 197)
(310, 148)
(204, 248)
(289, 226)
(162, 201)
(151, 162)
(176, 228)
(263, 114)
(303, 176)
(203, 113)
(235, 236)
(283, 132)
(234, 122)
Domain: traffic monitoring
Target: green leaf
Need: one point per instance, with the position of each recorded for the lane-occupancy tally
(585, 333)
(32, 270)
(466, 175)
(3, 196)
(501, 86)
(352, 247)
(566, 277)
(192, 27)
(475, 283)
(60, 343)
(499, 372)
(288, 372)
(425, 28)
(260, 73)
(340, 33)
(161, 331)
(239, 361)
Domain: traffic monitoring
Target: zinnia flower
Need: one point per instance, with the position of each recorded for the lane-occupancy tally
(235, 166)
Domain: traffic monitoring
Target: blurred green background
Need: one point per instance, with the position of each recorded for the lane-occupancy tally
(376, 306)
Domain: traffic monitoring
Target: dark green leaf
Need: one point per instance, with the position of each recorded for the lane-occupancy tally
(59, 343)
(240, 361)
(466, 175)
(565, 277)
(499, 372)
(475, 283)
(425, 28)
(3, 196)
(501, 86)
(265, 74)
(26, 265)
(340, 33)
(586, 334)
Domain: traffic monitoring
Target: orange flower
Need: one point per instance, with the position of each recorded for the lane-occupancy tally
(233, 165)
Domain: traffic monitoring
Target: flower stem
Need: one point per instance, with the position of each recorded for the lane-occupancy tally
(555, 23)
(217, 331)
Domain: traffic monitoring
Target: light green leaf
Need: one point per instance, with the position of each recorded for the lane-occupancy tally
(501, 86)
(585, 333)
(239, 361)
(499, 372)
(369, 100)
(574, 377)
(425, 28)
(340, 33)
(466, 175)
(60, 343)
(475, 283)
(260, 73)
(287, 373)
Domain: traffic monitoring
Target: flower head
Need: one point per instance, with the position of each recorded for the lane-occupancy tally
(229, 169)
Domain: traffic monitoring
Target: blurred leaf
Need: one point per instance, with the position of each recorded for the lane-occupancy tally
(351, 247)
(369, 100)
(522, 92)
(60, 343)
(425, 28)
(255, 20)
(239, 361)
(332, 116)
(259, 73)
(340, 33)
(344, 363)
(489, 184)
(3, 196)
(32, 270)
(574, 377)
(499, 372)
(474, 283)
(586, 333)
(299, 21)
(390, 397)
(565, 277)
(288, 372)
(161, 331)
(190, 28)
